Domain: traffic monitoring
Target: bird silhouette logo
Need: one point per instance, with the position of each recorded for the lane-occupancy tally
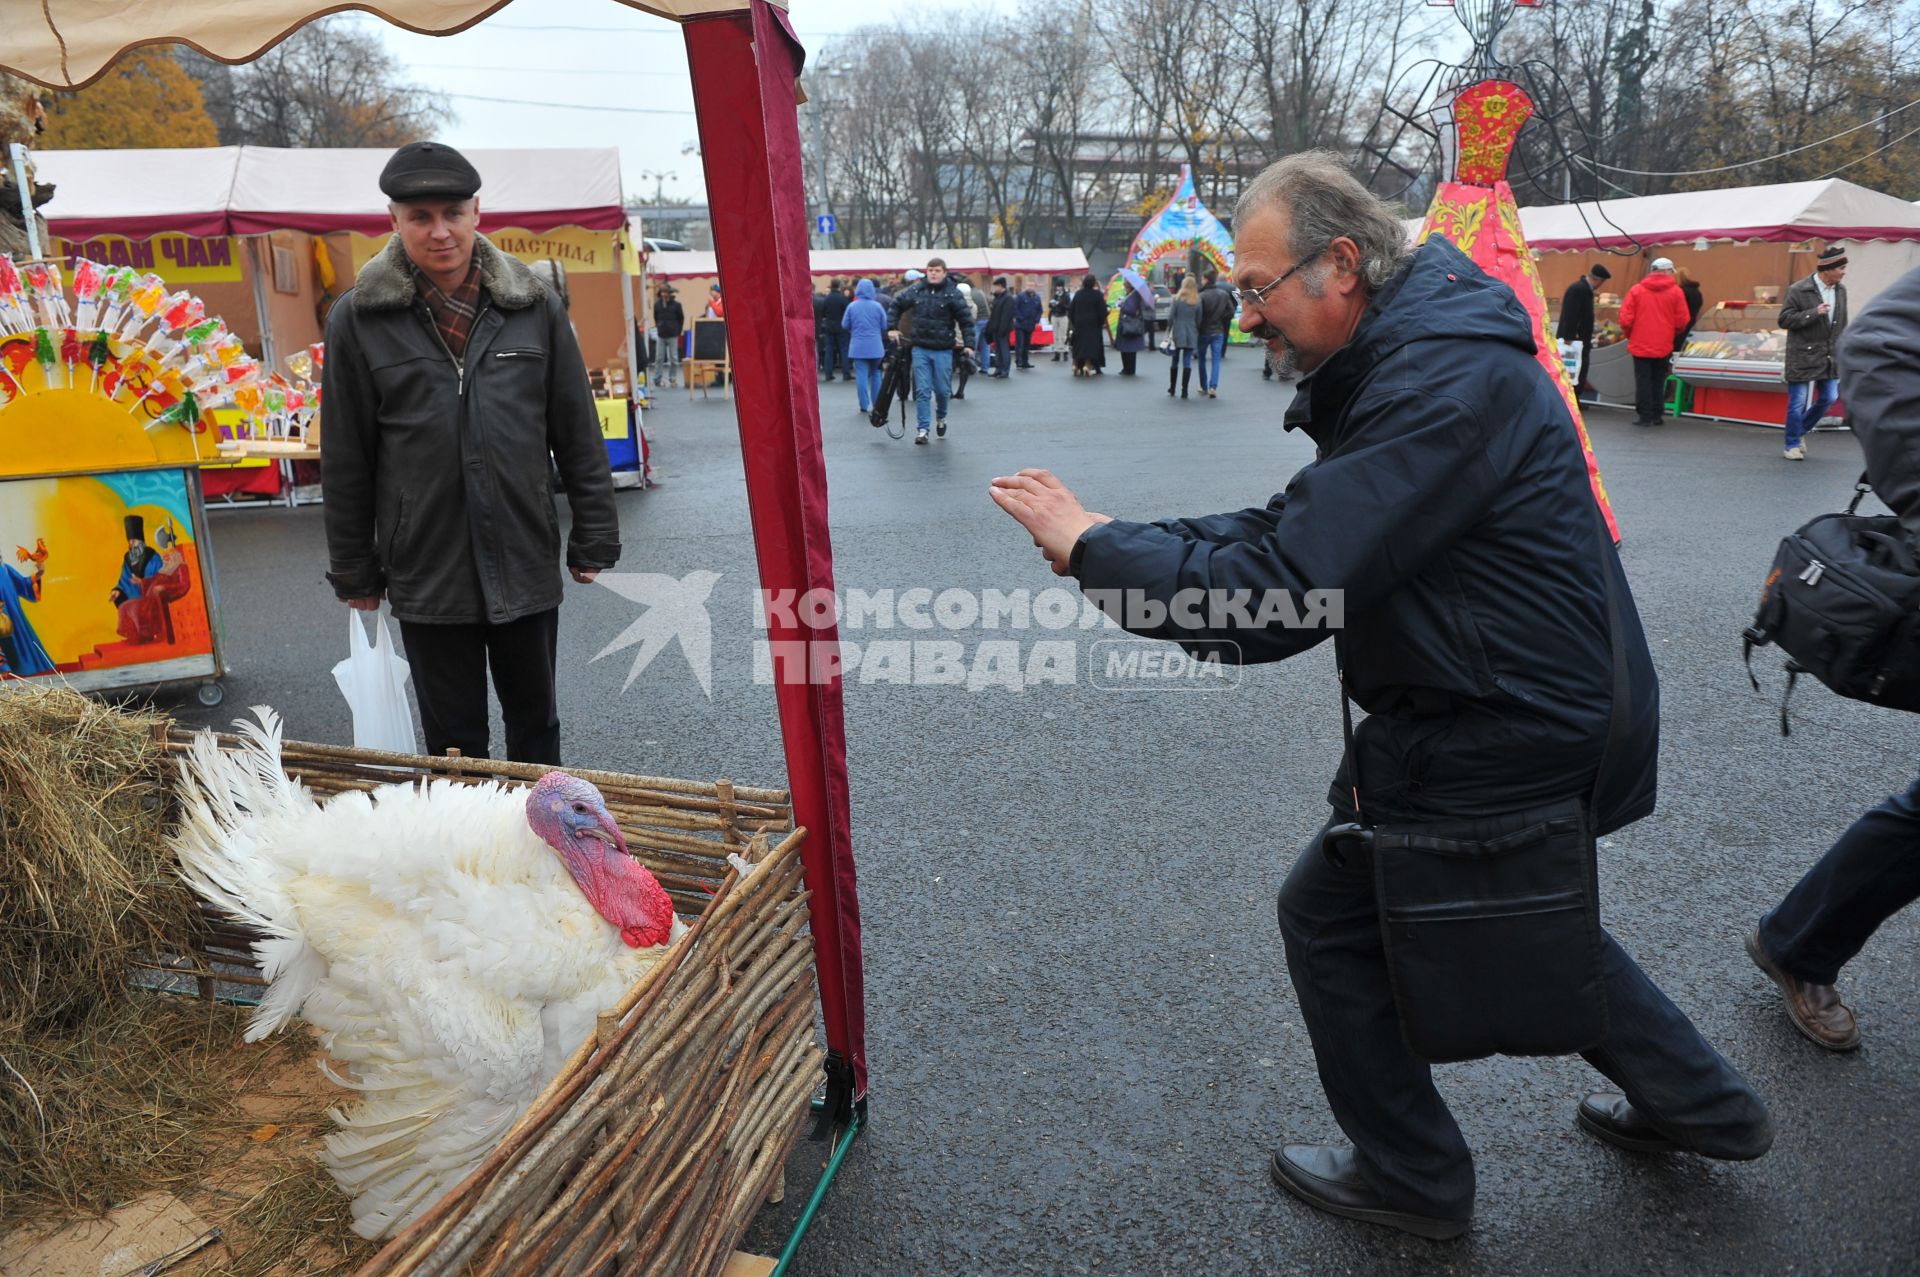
(675, 609)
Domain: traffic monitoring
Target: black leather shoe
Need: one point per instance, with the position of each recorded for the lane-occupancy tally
(1612, 1118)
(1323, 1176)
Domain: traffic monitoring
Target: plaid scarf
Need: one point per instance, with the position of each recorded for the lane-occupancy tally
(454, 312)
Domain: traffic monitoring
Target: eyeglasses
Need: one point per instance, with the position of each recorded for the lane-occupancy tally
(1259, 295)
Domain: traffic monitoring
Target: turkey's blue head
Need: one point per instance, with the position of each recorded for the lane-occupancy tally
(570, 816)
(568, 813)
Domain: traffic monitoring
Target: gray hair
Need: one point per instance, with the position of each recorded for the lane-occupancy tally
(1323, 202)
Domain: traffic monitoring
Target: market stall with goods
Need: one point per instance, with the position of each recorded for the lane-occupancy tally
(561, 1182)
(272, 237)
(112, 388)
(1744, 246)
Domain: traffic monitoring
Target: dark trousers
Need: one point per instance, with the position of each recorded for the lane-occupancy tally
(450, 664)
(1002, 356)
(1866, 877)
(1127, 358)
(1649, 388)
(1023, 347)
(1581, 389)
(1408, 1147)
(842, 342)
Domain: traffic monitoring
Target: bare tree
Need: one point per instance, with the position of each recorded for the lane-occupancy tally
(331, 83)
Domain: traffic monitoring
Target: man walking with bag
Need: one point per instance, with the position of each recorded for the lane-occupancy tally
(1576, 321)
(1512, 707)
(1814, 313)
(452, 373)
(1873, 870)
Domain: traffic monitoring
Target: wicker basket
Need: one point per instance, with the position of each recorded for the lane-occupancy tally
(655, 1145)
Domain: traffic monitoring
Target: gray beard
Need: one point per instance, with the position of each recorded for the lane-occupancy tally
(1286, 364)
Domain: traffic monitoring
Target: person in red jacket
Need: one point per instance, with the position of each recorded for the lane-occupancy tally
(1654, 315)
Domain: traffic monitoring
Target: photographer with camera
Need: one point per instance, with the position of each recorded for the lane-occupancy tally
(1448, 910)
(941, 320)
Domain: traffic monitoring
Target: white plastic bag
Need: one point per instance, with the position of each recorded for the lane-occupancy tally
(373, 678)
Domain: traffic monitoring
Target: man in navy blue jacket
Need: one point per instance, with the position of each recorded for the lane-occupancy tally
(1450, 503)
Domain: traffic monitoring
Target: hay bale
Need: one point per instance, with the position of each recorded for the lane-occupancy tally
(86, 879)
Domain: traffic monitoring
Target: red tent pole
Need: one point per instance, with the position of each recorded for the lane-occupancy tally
(744, 70)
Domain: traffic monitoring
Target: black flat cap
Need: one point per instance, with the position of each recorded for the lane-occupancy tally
(427, 171)
(1600, 272)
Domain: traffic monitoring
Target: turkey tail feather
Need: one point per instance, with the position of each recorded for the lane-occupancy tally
(227, 798)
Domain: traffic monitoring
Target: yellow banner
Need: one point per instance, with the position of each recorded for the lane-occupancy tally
(178, 259)
(580, 252)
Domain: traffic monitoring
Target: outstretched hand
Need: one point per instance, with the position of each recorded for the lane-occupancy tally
(1049, 512)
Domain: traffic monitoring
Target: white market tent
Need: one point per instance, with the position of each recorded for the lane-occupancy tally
(257, 191)
(251, 190)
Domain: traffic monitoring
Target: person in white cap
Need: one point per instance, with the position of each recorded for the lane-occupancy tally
(1654, 315)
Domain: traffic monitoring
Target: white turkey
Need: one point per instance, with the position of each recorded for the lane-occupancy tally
(452, 944)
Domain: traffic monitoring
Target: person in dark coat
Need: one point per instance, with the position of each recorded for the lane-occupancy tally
(452, 374)
(834, 311)
(934, 317)
(1449, 502)
(999, 330)
(1576, 321)
(1814, 313)
(1696, 302)
(1059, 306)
(1026, 317)
(822, 342)
(1132, 308)
(669, 321)
(1088, 314)
(1217, 309)
(1872, 871)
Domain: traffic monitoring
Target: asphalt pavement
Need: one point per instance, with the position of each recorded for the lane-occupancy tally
(1082, 1039)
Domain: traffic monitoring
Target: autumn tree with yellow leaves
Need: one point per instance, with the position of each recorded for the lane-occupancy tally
(146, 99)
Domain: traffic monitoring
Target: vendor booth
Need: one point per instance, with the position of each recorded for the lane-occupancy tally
(515, 1212)
(1744, 247)
(271, 237)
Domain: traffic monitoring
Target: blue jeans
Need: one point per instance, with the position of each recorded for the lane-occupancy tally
(866, 376)
(1800, 417)
(980, 346)
(1869, 875)
(1212, 350)
(1182, 354)
(932, 380)
(1407, 1147)
(1023, 346)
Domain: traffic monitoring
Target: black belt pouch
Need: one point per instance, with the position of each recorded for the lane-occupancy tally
(1494, 944)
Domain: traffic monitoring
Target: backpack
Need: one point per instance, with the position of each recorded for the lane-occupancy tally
(1843, 603)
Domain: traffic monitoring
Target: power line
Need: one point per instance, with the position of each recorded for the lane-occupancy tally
(521, 70)
(574, 106)
(1727, 168)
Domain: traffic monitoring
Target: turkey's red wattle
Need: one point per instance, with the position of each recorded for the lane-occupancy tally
(630, 898)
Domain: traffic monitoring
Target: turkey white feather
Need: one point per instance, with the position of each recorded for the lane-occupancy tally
(452, 945)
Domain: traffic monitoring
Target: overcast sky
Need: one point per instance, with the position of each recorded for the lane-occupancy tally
(627, 71)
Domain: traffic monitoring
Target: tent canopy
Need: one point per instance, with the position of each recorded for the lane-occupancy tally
(892, 261)
(65, 44)
(250, 190)
(139, 194)
(1787, 212)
